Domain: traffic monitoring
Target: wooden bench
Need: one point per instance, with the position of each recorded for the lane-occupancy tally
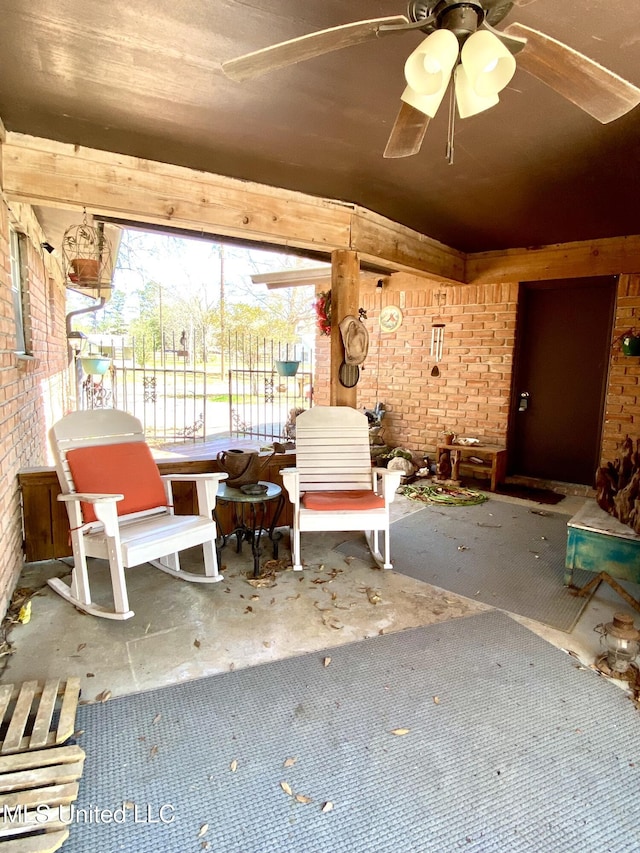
(494, 460)
(598, 542)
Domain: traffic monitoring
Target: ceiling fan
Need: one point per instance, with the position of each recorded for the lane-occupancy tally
(462, 44)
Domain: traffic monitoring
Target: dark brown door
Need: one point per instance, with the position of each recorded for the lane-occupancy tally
(562, 354)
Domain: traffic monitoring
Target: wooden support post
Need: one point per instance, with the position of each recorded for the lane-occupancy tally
(345, 295)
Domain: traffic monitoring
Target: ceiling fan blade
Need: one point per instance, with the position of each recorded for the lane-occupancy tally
(590, 86)
(306, 47)
(407, 133)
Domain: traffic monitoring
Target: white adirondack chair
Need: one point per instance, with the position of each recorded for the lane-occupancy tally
(120, 508)
(333, 486)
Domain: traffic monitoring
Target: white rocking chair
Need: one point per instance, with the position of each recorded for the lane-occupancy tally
(333, 486)
(120, 508)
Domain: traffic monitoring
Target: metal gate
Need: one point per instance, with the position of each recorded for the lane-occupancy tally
(182, 391)
(269, 383)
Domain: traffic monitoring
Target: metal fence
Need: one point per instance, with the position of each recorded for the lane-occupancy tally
(185, 392)
(269, 383)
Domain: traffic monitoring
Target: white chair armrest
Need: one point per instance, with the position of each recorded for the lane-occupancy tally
(291, 482)
(194, 478)
(390, 481)
(206, 489)
(90, 497)
(104, 507)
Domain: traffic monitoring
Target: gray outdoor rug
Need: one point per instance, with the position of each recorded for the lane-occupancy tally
(508, 746)
(500, 553)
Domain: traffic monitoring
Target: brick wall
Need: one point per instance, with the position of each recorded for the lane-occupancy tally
(470, 396)
(622, 406)
(33, 391)
(472, 393)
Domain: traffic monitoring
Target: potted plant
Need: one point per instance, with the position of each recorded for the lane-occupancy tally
(448, 435)
(630, 342)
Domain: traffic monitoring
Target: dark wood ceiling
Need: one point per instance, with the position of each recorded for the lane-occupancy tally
(144, 79)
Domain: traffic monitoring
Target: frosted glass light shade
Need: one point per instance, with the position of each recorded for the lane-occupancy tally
(487, 63)
(469, 103)
(428, 68)
(427, 104)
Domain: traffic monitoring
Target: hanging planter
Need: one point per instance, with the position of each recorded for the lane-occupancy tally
(95, 365)
(630, 343)
(287, 368)
(86, 256)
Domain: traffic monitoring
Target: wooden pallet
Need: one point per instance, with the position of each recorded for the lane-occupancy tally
(27, 714)
(38, 775)
(37, 789)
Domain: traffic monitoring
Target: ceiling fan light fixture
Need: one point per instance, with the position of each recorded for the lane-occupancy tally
(488, 65)
(468, 101)
(428, 69)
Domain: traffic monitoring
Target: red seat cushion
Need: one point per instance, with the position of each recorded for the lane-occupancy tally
(354, 499)
(126, 469)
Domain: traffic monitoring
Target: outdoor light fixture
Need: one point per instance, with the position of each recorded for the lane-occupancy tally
(621, 641)
(483, 68)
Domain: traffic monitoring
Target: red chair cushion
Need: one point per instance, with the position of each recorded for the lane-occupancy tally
(354, 499)
(126, 469)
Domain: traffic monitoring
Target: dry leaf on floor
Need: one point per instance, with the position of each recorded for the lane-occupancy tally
(203, 830)
(91, 675)
(128, 805)
(273, 601)
(373, 595)
(196, 643)
(263, 582)
(266, 644)
(234, 765)
(327, 807)
(157, 718)
(400, 731)
(349, 560)
(255, 598)
(286, 788)
(326, 661)
(81, 647)
(302, 799)
(232, 666)
(153, 751)
(289, 762)
(104, 696)
(248, 609)
(436, 700)
(294, 597)
(332, 622)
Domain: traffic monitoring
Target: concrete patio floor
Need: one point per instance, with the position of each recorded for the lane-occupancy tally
(183, 631)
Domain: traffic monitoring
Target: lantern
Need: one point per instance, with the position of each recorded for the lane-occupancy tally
(621, 641)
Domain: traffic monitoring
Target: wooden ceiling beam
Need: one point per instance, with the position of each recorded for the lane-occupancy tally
(607, 256)
(55, 174)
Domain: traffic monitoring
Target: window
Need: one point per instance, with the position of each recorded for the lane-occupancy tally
(17, 290)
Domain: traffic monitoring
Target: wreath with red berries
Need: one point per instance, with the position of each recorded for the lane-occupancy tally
(322, 306)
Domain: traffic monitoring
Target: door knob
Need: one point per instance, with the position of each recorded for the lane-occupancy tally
(524, 401)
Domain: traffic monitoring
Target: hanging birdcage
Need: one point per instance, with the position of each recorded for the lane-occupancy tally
(87, 257)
